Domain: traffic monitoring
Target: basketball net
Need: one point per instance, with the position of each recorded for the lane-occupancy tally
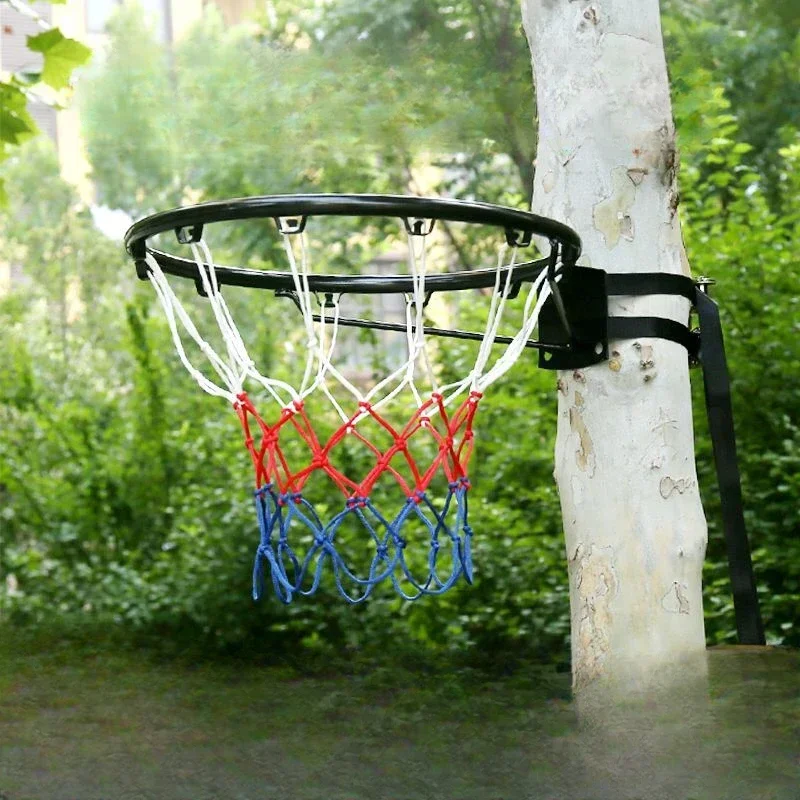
(443, 415)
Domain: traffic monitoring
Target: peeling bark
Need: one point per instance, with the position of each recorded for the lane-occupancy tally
(606, 165)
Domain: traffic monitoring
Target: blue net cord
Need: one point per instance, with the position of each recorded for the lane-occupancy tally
(283, 519)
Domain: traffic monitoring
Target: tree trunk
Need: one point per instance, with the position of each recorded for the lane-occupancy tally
(606, 165)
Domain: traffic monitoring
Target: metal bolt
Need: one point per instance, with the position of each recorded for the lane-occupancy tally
(703, 282)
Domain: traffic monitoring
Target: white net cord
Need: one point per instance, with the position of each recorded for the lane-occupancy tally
(235, 367)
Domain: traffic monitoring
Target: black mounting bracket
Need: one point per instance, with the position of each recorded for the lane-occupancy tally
(582, 297)
(584, 342)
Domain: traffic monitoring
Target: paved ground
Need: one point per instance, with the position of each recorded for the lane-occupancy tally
(114, 726)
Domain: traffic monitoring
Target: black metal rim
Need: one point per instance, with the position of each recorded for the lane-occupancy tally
(187, 222)
(347, 284)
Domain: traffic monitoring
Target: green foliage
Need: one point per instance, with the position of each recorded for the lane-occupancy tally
(124, 488)
(60, 56)
(733, 234)
(330, 115)
(752, 50)
(132, 145)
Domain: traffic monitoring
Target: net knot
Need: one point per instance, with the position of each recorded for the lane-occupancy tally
(363, 405)
(382, 551)
(474, 396)
(417, 497)
(355, 502)
(289, 497)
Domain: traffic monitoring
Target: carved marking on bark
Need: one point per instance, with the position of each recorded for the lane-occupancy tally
(590, 13)
(626, 228)
(636, 174)
(668, 486)
(595, 582)
(584, 455)
(675, 600)
(615, 365)
(567, 155)
(561, 386)
(662, 444)
(578, 399)
(610, 216)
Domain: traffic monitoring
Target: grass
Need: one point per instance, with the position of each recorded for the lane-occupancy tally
(103, 723)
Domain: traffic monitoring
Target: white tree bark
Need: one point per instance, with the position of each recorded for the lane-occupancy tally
(606, 165)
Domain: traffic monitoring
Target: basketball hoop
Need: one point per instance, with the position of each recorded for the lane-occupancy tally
(431, 447)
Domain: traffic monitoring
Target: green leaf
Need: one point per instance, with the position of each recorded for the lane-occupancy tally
(61, 56)
(16, 124)
(14, 127)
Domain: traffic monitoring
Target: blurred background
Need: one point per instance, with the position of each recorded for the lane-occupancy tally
(125, 504)
(133, 661)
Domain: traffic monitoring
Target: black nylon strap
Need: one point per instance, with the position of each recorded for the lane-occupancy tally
(719, 408)
(654, 327)
(638, 283)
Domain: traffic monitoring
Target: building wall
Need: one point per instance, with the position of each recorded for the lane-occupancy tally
(14, 27)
